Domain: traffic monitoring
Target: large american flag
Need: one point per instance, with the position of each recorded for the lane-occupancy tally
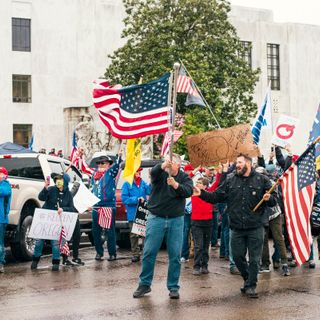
(78, 161)
(134, 111)
(298, 187)
(63, 243)
(167, 141)
(105, 217)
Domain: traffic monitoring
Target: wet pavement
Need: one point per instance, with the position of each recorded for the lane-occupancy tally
(103, 290)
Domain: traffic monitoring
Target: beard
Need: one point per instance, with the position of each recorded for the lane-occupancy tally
(241, 172)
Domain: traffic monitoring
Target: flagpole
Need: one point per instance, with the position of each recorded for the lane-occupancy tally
(203, 98)
(278, 181)
(176, 68)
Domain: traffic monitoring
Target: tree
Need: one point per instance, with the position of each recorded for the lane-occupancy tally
(160, 32)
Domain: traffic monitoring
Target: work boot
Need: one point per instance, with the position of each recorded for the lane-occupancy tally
(55, 264)
(312, 264)
(276, 265)
(204, 270)
(34, 264)
(196, 272)
(141, 291)
(174, 294)
(78, 261)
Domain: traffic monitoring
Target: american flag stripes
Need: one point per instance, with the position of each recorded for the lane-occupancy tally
(167, 141)
(78, 161)
(63, 243)
(105, 217)
(134, 111)
(185, 83)
(298, 187)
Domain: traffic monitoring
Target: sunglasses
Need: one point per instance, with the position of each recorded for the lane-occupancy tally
(101, 163)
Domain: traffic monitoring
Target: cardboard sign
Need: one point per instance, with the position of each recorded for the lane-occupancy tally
(46, 224)
(140, 222)
(285, 130)
(216, 146)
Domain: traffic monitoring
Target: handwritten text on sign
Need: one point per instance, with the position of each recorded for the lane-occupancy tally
(46, 224)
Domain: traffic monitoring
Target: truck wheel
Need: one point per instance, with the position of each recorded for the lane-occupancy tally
(23, 249)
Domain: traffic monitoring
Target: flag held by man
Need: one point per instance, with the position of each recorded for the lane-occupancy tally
(134, 111)
(298, 187)
(167, 141)
(105, 217)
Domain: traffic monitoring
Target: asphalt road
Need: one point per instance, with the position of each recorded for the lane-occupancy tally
(103, 290)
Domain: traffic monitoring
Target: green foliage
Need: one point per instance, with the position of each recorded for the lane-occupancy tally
(160, 32)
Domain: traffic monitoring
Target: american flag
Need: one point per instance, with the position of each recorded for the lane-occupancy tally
(167, 141)
(298, 187)
(105, 217)
(63, 243)
(78, 162)
(184, 83)
(134, 111)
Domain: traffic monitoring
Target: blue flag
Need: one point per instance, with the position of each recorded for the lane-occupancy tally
(315, 132)
(263, 118)
(194, 98)
(30, 147)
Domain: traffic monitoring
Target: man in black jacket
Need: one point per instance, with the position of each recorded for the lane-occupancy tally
(170, 188)
(242, 191)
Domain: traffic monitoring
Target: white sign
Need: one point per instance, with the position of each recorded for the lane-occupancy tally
(285, 130)
(84, 199)
(46, 224)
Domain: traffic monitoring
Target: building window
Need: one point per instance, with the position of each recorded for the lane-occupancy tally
(273, 57)
(21, 34)
(22, 134)
(247, 53)
(21, 88)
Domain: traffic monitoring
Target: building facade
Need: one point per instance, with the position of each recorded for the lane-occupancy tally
(51, 51)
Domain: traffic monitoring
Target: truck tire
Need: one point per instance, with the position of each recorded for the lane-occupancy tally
(24, 247)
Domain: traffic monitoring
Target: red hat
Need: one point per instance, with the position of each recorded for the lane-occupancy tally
(140, 169)
(3, 170)
(188, 167)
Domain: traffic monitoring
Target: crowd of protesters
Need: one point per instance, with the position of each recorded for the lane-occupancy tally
(186, 206)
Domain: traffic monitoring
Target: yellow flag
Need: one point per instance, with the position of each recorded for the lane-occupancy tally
(133, 159)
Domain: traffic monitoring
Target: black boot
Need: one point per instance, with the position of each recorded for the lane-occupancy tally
(35, 261)
(55, 264)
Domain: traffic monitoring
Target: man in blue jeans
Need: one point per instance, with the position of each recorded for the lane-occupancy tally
(170, 187)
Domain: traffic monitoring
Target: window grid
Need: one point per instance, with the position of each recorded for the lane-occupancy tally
(22, 134)
(21, 34)
(247, 55)
(273, 65)
(21, 88)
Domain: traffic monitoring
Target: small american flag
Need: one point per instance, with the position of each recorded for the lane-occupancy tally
(185, 83)
(167, 141)
(298, 186)
(63, 243)
(105, 217)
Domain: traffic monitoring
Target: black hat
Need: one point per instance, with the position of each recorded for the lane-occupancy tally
(104, 159)
(56, 176)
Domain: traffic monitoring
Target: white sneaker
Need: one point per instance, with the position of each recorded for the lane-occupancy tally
(183, 260)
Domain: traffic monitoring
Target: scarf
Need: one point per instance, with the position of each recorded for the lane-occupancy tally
(98, 175)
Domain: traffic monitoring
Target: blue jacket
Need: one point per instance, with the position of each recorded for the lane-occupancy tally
(5, 199)
(105, 187)
(131, 194)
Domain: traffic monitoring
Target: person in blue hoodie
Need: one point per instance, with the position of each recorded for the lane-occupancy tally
(5, 199)
(130, 195)
(103, 183)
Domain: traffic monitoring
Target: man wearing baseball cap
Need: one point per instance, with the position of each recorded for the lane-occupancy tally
(5, 199)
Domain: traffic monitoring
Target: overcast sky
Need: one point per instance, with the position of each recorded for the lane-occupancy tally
(301, 11)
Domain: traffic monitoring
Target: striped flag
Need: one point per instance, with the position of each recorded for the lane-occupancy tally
(134, 111)
(185, 83)
(105, 217)
(167, 141)
(263, 118)
(63, 243)
(77, 161)
(298, 187)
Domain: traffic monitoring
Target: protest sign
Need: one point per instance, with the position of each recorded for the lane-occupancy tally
(46, 224)
(285, 130)
(84, 199)
(140, 222)
(216, 146)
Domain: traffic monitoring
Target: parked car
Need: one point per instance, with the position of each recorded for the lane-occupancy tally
(27, 172)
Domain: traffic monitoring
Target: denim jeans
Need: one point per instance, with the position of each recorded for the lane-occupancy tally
(39, 247)
(224, 245)
(186, 232)
(215, 227)
(231, 261)
(157, 229)
(2, 249)
(251, 241)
